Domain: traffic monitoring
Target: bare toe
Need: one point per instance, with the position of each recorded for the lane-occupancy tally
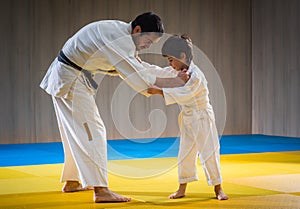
(222, 196)
(176, 195)
(110, 196)
(73, 186)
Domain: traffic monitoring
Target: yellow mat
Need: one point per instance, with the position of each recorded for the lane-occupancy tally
(252, 181)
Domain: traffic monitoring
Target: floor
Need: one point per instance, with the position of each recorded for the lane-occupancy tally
(257, 180)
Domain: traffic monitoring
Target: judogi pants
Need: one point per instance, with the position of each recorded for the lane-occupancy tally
(83, 136)
(199, 136)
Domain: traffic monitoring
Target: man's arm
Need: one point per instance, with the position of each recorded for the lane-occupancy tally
(181, 79)
(155, 90)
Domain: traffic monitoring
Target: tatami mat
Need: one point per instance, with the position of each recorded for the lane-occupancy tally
(52, 153)
(252, 181)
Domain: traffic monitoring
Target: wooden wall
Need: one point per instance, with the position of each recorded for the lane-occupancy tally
(33, 31)
(276, 67)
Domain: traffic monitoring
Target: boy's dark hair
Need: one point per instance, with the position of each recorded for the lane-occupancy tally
(149, 22)
(175, 45)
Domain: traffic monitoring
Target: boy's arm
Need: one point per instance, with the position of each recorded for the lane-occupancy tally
(166, 77)
(183, 95)
(181, 79)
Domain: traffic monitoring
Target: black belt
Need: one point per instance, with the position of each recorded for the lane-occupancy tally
(64, 59)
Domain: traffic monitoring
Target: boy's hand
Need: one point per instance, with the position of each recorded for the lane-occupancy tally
(154, 90)
(137, 57)
(184, 75)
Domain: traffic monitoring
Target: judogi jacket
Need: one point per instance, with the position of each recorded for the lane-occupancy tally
(194, 94)
(194, 102)
(99, 47)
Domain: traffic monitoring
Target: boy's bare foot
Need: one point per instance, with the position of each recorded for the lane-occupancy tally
(220, 195)
(73, 186)
(179, 193)
(103, 194)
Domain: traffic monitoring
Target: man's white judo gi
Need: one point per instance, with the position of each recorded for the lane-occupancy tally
(105, 46)
(199, 134)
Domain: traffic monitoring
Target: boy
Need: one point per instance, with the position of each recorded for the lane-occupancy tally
(196, 120)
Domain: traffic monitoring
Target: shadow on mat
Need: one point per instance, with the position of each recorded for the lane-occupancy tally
(162, 197)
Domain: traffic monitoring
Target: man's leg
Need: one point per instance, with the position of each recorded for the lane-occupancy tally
(86, 137)
(70, 172)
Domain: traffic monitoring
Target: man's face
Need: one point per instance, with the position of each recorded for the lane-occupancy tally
(144, 40)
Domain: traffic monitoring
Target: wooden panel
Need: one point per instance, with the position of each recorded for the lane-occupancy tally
(225, 36)
(33, 32)
(276, 67)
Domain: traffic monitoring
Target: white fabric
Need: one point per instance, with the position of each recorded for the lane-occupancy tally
(194, 94)
(99, 46)
(166, 72)
(199, 134)
(84, 145)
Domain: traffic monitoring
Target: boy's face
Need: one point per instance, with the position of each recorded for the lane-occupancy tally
(177, 64)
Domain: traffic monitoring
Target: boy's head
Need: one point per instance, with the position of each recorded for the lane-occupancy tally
(179, 51)
(147, 29)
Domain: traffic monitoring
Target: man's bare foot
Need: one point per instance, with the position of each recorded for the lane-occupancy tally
(176, 195)
(103, 194)
(179, 193)
(220, 195)
(73, 186)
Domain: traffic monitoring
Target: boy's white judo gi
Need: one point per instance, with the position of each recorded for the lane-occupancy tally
(105, 46)
(199, 134)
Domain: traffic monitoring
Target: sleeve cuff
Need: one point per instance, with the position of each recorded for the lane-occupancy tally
(169, 99)
(149, 78)
(152, 79)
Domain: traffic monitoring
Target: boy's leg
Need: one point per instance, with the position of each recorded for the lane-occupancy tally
(213, 175)
(220, 195)
(187, 154)
(187, 159)
(209, 148)
(212, 170)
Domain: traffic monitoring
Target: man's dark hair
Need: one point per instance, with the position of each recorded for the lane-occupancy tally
(149, 22)
(175, 45)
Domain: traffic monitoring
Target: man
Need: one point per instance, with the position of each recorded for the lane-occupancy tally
(111, 47)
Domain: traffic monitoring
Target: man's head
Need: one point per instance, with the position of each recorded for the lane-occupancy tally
(179, 51)
(147, 29)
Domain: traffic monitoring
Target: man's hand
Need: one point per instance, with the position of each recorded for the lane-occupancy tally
(184, 75)
(155, 90)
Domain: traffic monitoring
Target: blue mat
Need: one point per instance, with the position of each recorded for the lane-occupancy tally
(50, 153)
